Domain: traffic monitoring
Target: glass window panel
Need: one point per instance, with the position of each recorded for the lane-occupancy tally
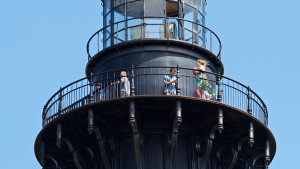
(154, 8)
(134, 22)
(190, 13)
(200, 19)
(203, 4)
(107, 31)
(121, 35)
(133, 0)
(119, 15)
(107, 39)
(118, 2)
(135, 9)
(192, 3)
(107, 19)
(200, 5)
(201, 30)
(155, 28)
(188, 35)
(136, 32)
(107, 6)
(154, 31)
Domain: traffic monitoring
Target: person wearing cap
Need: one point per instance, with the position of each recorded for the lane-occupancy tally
(100, 94)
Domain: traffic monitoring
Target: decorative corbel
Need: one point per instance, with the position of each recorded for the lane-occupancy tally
(209, 146)
(103, 153)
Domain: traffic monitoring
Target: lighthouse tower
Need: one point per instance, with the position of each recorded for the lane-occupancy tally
(147, 102)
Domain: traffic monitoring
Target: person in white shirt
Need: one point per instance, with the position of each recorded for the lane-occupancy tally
(125, 85)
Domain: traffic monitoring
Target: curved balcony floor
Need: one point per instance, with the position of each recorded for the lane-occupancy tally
(154, 114)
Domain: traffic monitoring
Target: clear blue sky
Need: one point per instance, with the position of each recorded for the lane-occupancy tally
(43, 47)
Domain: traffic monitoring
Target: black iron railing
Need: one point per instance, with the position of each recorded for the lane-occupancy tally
(154, 28)
(149, 81)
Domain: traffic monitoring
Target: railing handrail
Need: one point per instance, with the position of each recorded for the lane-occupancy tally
(238, 87)
(179, 19)
(216, 74)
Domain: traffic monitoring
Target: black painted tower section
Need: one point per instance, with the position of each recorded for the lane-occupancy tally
(146, 129)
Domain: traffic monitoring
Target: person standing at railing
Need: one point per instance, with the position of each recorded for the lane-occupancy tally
(100, 94)
(170, 83)
(202, 84)
(212, 93)
(125, 84)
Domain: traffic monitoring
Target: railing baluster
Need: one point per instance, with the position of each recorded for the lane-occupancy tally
(265, 115)
(249, 101)
(44, 116)
(60, 102)
(178, 89)
(219, 88)
(132, 88)
(91, 100)
(114, 85)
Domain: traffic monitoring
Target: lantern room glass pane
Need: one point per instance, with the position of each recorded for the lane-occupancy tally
(190, 28)
(190, 13)
(118, 2)
(200, 6)
(192, 3)
(107, 6)
(135, 9)
(155, 8)
(154, 28)
(119, 15)
(107, 30)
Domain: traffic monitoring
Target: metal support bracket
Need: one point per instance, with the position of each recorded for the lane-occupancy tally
(43, 153)
(236, 151)
(100, 141)
(209, 146)
(234, 156)
(74, 153)
(53, 160)
(256, 157)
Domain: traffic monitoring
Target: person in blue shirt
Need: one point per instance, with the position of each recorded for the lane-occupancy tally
(170, 83)
(100, 94)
